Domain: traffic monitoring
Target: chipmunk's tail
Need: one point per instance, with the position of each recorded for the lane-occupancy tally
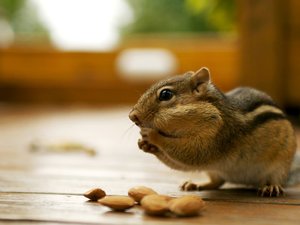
(294, 176)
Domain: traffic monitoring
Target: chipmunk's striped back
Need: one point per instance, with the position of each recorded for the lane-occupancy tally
(257, 107)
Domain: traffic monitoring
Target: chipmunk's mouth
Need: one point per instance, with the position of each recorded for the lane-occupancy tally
(162, 133)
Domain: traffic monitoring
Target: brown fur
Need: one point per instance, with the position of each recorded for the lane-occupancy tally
(200, 128)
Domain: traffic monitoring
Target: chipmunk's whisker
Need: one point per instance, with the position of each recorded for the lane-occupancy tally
(127, 130)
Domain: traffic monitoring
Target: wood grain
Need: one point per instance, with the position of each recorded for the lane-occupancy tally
(75, 209)
(44, 187)
(269, 48)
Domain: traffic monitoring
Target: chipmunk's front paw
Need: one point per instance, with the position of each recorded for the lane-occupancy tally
(271, 191)
(149, 134)
(146, 146)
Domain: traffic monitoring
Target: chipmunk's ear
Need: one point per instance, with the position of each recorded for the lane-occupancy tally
(200, 77)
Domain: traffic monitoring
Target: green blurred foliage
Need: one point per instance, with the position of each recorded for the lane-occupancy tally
(11, 7)
(22, 17)
(164, 16)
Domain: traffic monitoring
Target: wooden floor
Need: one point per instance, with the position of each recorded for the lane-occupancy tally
(45, 186)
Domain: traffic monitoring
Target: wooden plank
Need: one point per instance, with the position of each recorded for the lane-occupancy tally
(53, 76)
(75, 209)
(270, 44)
(48, 67)
(293, 48)
(58, 69)
(119, 183)
(262, 46)
(47, 187)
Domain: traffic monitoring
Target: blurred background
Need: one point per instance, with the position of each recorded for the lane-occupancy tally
(95, 52)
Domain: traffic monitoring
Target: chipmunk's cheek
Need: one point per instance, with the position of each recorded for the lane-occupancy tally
(169, 131)
(166, 127)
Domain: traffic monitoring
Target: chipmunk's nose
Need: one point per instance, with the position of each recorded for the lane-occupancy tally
(134, 117)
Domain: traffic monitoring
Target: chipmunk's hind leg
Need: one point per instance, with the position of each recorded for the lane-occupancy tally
(270, 190)
(215, 182)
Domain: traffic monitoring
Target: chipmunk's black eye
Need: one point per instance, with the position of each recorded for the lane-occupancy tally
(165, 95)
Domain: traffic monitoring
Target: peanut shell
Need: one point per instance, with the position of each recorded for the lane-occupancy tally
(155, 204)
(117, 203)
(189, 205)
(139, 192)
(94, 194)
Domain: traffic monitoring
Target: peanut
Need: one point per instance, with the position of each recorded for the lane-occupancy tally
(139, 192)
(189, 205)
(156, 205)
(117, 203)
(94, 194)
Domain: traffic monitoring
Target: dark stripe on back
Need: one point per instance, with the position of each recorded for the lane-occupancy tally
(248, 99)
(263, 118)
(257, 104)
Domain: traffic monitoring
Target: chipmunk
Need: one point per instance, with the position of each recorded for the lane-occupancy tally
(240, 136)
